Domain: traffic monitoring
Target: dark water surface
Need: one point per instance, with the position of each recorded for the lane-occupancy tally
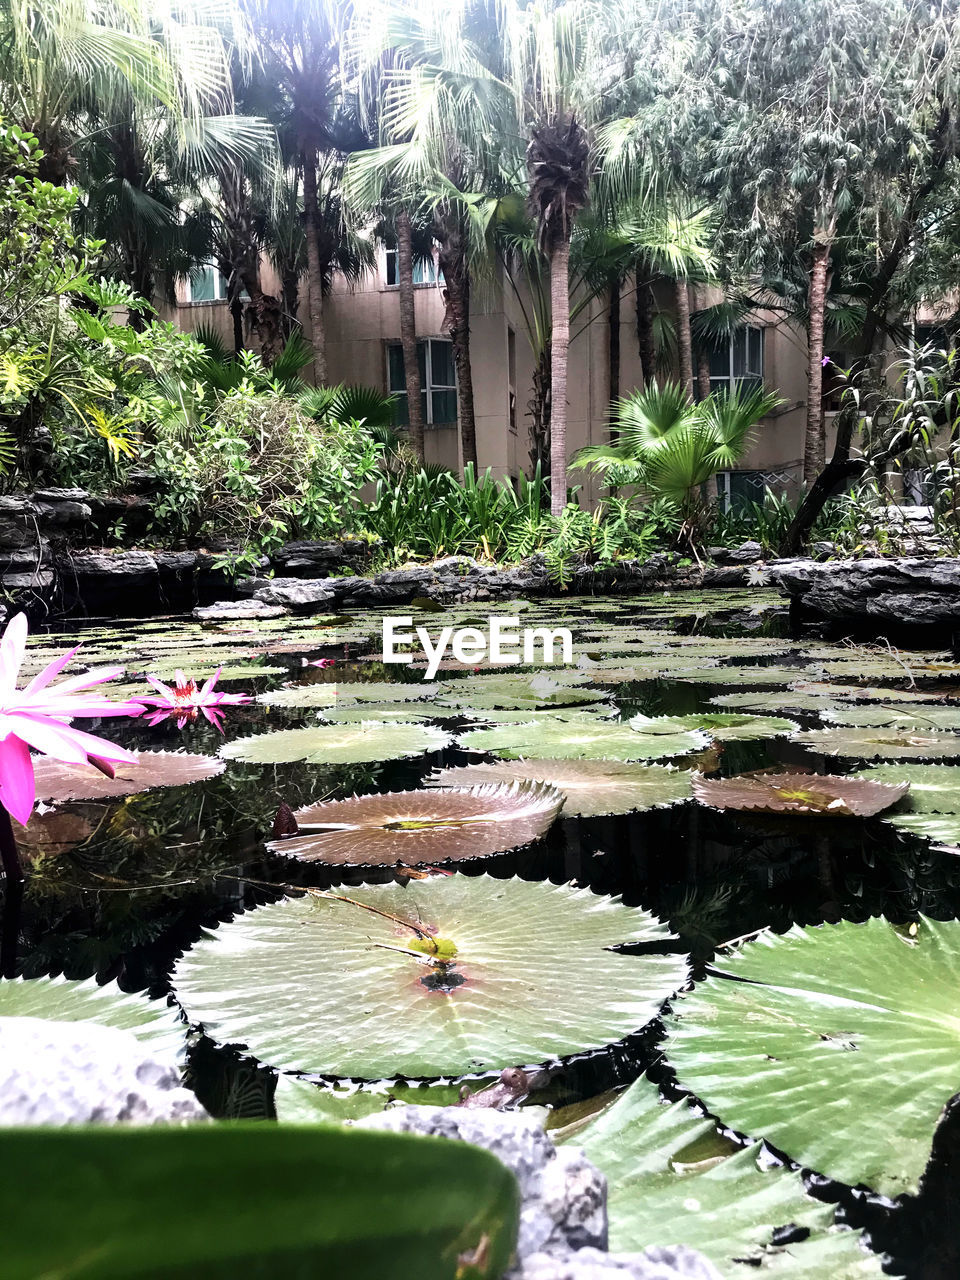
(128, 885)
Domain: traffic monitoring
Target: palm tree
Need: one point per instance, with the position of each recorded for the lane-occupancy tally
(671, 448)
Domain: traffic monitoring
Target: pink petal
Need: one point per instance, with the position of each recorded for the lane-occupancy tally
(18, 789)
(63, 742)
(85, 680)
(162, 688)
(11, 652)
(208, 687)
(50, 671)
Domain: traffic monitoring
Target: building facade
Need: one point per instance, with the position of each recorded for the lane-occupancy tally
(362, 323)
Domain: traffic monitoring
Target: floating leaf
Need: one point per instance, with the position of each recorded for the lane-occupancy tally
(300, 1101)
(58, 781)
(358, 713)
(557, 715)
(782, 700)
(741, 675)
(592, 787)
(242, 1200)
(65, 1000)
(571, 741)
(934, 788)
(332, 694)
(724, 726)
(322, 985)
(862, 693)
(673, 1179)
(338, 744)
(840, 1045)
(872, 744)
(418, 827)
(903, 715)
(943, 828)
(798, 793)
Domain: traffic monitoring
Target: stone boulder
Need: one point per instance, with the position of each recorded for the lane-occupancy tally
(882, 592)
(57, 1073)
(297, 593)
(319, 559)
(228, 610)
(563, 1210)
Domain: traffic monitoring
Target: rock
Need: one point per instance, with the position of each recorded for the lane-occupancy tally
(893, 592)
(56, 1073)
(135, 566)
(674, 1262)
(39, 581)
(563, 1213)
(296, 593)
(176, 561)
(60, 495)
(224, 610)
(319, 559)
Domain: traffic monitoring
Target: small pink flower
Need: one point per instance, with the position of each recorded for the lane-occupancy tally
(185, 701)
(825, 361)
(319, 662)
(39, 716)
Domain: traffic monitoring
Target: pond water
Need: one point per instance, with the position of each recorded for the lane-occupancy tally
(120, 888)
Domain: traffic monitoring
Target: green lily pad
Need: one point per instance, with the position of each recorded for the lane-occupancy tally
(338, 744)
(572, 741)
(592, 788)
(943, 828)
(340, 694)
(745, 676)
(873, 744)
(60, 999)
(934, 788)
(384, 712)
(673, 1179)
(839, 1044)
(901, 715)
(323, 985)
(724, 726)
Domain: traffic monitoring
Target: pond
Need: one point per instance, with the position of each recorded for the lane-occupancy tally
(840, 1048)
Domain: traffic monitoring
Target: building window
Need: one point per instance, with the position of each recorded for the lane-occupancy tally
(737, 489)
(438, 382)
(424, 270)
(207, 284)
(738, 362)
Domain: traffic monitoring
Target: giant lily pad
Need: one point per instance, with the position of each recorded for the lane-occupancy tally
(58, 781)
(672, 1179)
(338, 744)
(741, 676)
(591, 787)
(798, 793)
(66, 1000)
(417, 827)
(890, 744)
(934, 788)
(724, 726)
(901, 715)
(579, 740)
(839, 1044)
(449, 975)
(331, 695)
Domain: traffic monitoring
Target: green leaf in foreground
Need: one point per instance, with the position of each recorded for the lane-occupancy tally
(448, 976)
(673, 1179)
(338, 744)
(580, 740)
(840, 1046)
(66, 1000)
(254, 1200)
(592, 787)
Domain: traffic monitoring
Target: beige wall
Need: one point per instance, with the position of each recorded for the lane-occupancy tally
(362, 319)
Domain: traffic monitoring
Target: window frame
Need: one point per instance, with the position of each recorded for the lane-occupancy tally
(728, 381)
(219, 285)
(429, 387)
(389, 252)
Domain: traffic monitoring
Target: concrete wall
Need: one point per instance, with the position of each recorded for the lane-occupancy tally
(363, 319)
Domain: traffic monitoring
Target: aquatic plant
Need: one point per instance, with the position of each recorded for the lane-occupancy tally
(838, 1044)
(57, 782)
(39, 716)
(418, 827)
(445, 976)
(185, 700)
(798, 793)
(338, 744)
(724, 726)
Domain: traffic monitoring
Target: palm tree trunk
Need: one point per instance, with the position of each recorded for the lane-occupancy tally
(814, 449)
(538, 409)
(703, 373)
(684, 341)
(311, 209)
(613, 348)
(645, 340)
(456, 276)
(408, 332)
(560, 347)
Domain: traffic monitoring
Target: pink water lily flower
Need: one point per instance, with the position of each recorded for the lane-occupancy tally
(39, 716)
(186, 700)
